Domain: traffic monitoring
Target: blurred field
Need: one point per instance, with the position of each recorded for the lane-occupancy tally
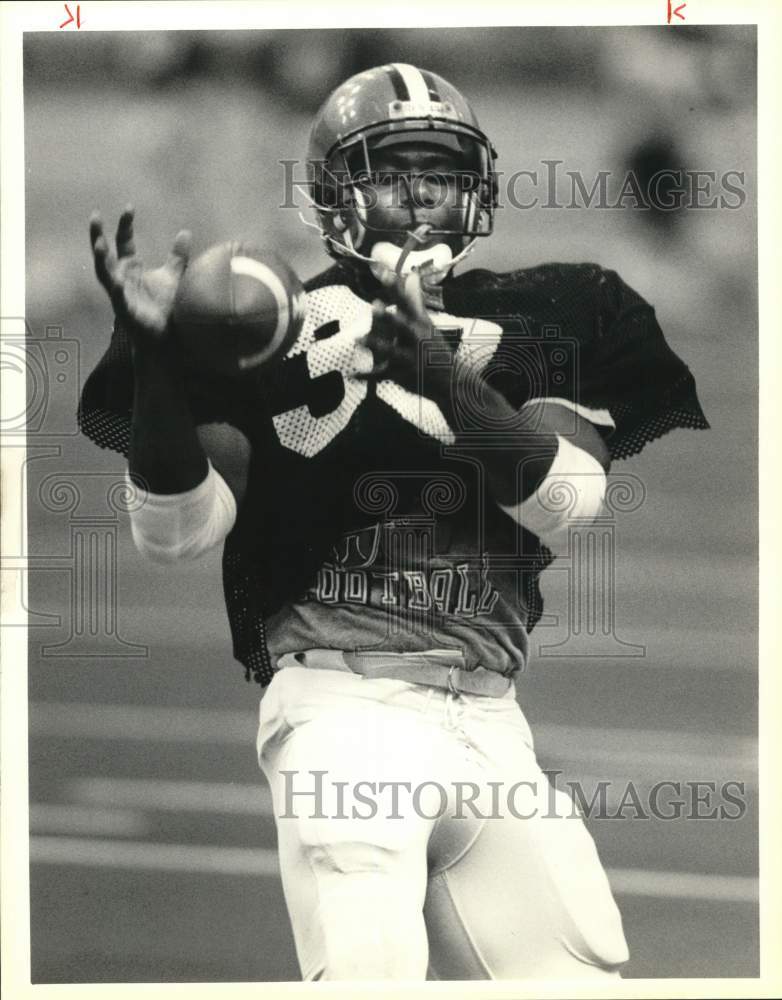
(152, 841)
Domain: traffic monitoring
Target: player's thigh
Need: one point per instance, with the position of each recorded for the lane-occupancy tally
(352, 851)
(528, 899)
(343, 768)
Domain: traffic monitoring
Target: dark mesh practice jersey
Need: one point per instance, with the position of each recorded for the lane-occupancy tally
(357, 499)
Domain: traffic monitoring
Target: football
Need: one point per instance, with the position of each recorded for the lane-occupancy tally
(237, 308)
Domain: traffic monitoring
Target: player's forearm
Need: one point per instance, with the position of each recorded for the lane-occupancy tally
(516, 448)
(165, 455)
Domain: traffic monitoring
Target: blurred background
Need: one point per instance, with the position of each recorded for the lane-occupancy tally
(152, 839)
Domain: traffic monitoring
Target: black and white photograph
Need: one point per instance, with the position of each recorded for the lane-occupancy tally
(380, 449)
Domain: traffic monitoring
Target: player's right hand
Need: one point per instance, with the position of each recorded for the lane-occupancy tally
(142, 300)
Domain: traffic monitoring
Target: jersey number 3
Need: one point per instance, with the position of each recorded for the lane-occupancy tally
(318, 374)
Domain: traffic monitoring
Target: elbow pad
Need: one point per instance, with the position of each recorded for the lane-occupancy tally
(573, 491)
(173, 526)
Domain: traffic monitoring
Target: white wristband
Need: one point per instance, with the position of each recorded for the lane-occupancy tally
(572, 492)
(173, 526)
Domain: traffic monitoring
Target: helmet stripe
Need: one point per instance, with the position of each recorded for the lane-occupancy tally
(398, 83)
(415, 83)
(431, 85)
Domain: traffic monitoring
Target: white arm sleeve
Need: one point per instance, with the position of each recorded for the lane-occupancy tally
(173, 526)
(572, 492)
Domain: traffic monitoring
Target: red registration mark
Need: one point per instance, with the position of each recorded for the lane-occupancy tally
(76, 20)
(675, 11)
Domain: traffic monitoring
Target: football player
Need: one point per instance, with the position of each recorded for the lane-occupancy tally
(387, 498)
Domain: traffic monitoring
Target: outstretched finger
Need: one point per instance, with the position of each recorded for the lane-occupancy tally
(367, 366)
(409, 297)
(104, 259)
(180, 252)
(126, 245)
(364, 362)
(96, 227)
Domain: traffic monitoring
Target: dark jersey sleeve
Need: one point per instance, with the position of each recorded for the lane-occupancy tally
(105, 412)
(106, 403)
(630, 370)
(577, 331)
(106, 400)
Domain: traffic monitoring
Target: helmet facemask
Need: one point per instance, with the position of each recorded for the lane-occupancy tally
(343, 188)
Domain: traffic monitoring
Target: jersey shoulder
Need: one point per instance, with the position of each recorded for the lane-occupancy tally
(547, 274)
(582, 299)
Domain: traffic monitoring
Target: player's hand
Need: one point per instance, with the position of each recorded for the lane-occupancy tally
(142, 300)
(398, 333)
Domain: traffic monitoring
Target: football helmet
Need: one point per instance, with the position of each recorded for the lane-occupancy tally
(393, 104)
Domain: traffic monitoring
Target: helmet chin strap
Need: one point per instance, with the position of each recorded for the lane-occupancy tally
(389, 261)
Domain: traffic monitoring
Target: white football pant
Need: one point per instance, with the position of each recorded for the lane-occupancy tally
(403, 891)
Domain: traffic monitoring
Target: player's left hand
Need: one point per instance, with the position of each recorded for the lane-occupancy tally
(143, 299)
(399, 329)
